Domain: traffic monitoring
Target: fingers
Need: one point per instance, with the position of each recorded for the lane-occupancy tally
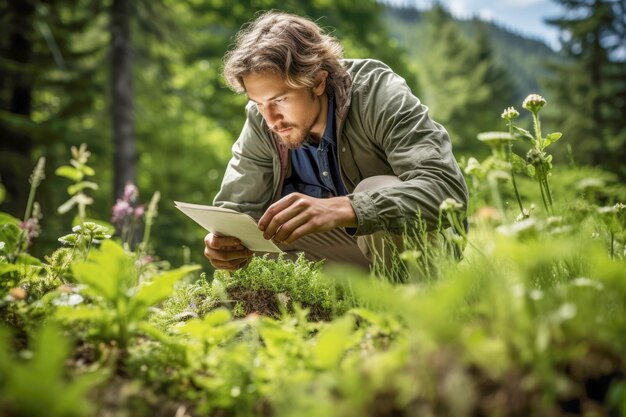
(279, 214)
(221, 242)
(293, 229)
(230, 266)
(226, 252)
(275, 209)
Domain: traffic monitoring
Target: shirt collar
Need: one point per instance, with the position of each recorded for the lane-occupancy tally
(329, 131)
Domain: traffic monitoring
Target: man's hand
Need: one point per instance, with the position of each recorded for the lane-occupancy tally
(296, 215)
(226, 252)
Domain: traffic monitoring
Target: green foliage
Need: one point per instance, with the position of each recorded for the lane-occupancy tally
(37, 383)
(463, 84)
(285, 283)
(588, 87)
(77, 172)
(120, 301)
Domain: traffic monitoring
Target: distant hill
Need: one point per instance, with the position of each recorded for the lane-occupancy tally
(524, 57)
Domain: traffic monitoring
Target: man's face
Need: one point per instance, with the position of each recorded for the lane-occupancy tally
(292, 113)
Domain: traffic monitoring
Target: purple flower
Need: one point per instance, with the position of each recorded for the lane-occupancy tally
(31, 227)
(121, 210)
(139, 212)
(130, 192)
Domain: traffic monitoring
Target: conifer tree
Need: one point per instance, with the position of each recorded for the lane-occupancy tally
(590, 87)
(46, 82)
(462, 83)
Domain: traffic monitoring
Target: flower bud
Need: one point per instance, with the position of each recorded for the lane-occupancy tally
(509, 113)
(534, 103)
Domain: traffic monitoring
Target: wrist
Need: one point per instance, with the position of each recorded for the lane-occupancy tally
(345, 214)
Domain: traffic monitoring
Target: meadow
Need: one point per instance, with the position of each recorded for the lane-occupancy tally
(530, 322)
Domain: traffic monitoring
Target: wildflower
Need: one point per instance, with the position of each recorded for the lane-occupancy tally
(509, 113)
(121, 210)
(450, 204)
(18, 293)
(534, 103)
(38, 173)
(130, 192)
(31, 225)
(473, 166)
(495, 139)
(488, 214)
(139, 212)
(535, 157)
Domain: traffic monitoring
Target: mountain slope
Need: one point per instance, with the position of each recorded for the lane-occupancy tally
(523, 57)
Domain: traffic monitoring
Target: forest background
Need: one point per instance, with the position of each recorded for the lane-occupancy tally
(139, 83)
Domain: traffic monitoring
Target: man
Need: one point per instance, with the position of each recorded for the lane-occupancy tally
(334, 155)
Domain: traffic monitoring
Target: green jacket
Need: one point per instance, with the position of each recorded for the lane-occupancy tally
(382, 129)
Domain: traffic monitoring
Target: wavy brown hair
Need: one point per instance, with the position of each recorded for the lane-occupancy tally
(292, 46)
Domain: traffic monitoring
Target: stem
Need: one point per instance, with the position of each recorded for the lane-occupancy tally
(547, 185)
(538, 136)
(539, 174)
(31, 201)
(510, 152)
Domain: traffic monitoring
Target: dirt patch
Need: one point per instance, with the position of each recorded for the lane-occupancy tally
(268, 303)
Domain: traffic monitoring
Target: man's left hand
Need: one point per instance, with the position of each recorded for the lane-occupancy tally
(296, 215)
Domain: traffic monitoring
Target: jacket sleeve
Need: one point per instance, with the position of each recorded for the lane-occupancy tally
(249, 178)
(418, 151)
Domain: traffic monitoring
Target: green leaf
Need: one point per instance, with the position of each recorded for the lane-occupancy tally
(551, 138)
(7, 267)
(69, 172)
(108, 272)
(524, 135)
(73, 189)
(88, 171)
(162, 286)
(82, 313)
(26, 259)
(70, 239)
(518, 163)
(108, 227)
(10, 234)
(332, 342)
(67, 206)
(6, 218)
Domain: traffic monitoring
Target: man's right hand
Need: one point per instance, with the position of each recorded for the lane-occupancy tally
(226, 252)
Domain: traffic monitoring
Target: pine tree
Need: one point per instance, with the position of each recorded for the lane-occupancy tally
(46, 82)
(590, 88)
(462, 83)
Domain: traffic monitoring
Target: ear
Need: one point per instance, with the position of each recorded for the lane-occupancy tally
(320, 85)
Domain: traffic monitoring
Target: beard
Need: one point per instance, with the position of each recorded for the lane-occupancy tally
(296, 137)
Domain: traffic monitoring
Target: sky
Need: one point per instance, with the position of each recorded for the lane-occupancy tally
(523, 16)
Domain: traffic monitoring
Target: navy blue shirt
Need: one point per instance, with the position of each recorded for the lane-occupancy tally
(315, 168)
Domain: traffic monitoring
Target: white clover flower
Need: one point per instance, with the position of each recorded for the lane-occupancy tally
(450, 204)
(509, 113)
(534, 103)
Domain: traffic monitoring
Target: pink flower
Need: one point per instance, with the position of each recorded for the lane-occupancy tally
(31, 227)
(139, 212)
(121, 210)
(130, 192)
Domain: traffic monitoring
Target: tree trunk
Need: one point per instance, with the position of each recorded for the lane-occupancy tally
(16, 143)
(125, 153)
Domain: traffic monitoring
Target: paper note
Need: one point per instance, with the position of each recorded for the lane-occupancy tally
(226, 222)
